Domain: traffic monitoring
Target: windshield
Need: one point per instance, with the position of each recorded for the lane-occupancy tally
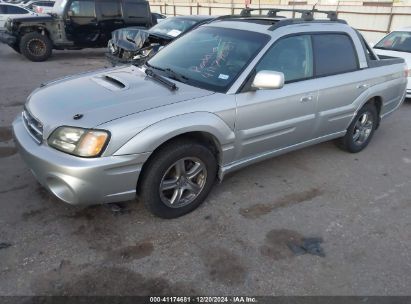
(173, 26)
(210, 57)
(396, 41)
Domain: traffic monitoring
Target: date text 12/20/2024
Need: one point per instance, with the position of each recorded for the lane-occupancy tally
(232, 299)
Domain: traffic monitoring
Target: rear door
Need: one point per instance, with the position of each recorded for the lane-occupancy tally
(81, 22)
(342, 81)
(110, 17)
(137, 13)
(269, 120)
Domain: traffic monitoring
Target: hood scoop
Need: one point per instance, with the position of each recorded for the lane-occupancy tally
(111, 82)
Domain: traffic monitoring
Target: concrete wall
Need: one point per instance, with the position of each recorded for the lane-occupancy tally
(372, 21)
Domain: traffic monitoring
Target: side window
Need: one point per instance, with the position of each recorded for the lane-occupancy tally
(81, 8)
(14, 10)
(334, 54)
(110, 8)
(292, 56)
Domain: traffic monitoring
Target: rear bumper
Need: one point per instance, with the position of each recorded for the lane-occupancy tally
(7, 38)
(408, 94)
(79, 181)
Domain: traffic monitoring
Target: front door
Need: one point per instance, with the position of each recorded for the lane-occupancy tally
(269, 120)
(81, 23)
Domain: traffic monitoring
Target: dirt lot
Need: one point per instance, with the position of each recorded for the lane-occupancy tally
(235, 243)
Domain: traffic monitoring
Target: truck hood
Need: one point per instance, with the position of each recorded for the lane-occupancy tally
(34, 17)
(103, 96)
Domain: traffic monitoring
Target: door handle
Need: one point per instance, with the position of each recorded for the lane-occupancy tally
(362, 86)
(306, 98)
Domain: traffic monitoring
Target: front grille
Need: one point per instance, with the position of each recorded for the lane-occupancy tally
(34, 127)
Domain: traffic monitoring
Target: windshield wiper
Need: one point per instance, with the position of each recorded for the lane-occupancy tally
(175, 75)
(170, 73)
(171, 85)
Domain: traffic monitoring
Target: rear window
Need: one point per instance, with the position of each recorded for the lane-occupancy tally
(334, 54)
(48, 4)
(2, 9)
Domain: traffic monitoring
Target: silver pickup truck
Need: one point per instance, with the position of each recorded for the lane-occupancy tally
(228, 94)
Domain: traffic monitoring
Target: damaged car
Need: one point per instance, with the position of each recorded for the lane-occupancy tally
(136, 45)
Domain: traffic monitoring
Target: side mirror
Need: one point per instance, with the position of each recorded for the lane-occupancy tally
(70, 13)
(268, 80)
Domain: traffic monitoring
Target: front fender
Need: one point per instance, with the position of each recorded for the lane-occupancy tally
(150, 138)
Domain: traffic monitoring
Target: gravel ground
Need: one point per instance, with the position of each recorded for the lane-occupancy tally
(235, 243)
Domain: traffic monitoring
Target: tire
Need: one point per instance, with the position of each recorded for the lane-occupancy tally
(361, 129)
(162, 171)
(36, 47)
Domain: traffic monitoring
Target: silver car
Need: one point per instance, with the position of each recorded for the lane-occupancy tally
(226, 95)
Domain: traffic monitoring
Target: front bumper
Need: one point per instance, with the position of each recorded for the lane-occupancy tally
(80, 181)
(7, 38)
(114, 60)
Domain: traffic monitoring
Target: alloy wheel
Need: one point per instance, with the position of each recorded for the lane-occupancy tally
(363, 128)
(183, 182)
(36, 47)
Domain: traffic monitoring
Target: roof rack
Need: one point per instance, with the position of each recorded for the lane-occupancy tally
(280, 21)
(306, 15)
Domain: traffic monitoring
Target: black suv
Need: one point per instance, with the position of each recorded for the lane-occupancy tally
(74, 24)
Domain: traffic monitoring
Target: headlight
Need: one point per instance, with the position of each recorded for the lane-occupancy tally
(112, 47)
(80, 142)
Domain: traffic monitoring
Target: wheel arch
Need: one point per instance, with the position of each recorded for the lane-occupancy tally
(205, 138)
(377, 102)
(38, 28)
